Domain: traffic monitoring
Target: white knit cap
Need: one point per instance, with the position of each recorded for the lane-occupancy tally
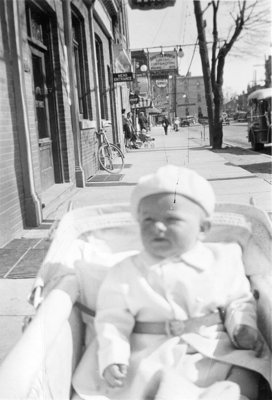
(175, 180)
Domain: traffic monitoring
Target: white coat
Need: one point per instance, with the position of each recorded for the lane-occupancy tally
(195, 284)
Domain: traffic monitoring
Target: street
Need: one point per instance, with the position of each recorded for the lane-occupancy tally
(236, 149)
(240, 137)
(235, 135)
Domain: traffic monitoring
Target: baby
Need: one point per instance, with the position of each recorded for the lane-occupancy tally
(178, 305)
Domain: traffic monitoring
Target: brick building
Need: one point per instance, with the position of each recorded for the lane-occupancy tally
(56, 88)
(190, 96)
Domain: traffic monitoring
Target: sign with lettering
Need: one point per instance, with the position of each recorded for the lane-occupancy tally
(163, 61)
(122, 77)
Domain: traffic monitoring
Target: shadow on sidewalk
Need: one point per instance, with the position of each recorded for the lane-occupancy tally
(236, 150)
(264, 167)
(104, 184)
(22, 258)
(231, 178)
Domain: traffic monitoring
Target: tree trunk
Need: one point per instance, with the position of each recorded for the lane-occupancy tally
(204, 55)
(218, 128)
(218, 101)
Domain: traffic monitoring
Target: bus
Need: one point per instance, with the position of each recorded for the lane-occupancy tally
(259, 121)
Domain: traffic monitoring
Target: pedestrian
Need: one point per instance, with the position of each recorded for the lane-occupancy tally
(132, 134)
(180, 306)
(143, 123)
(165, 124)
(123, 117)
(126, 128)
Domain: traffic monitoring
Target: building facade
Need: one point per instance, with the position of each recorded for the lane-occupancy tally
(190, 96)
(56, 91)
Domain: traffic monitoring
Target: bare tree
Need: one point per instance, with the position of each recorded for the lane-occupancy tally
(245, 17)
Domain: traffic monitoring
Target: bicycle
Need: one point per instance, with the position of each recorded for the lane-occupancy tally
(110, 157)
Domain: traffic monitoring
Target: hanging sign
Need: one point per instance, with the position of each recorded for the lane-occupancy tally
(134, 99)
(161, 62)
(142, 103)
(151, 4)
(123, 77)
(161, 83)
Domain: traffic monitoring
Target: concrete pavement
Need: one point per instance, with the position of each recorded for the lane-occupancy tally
(187, 147)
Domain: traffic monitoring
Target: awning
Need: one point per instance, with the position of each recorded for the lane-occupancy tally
(260, 94)
(153, 111)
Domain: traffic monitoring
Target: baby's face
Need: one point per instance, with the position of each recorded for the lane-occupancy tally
(169, 228)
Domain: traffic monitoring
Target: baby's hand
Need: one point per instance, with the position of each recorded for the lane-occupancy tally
(246, 337)
(115, 375)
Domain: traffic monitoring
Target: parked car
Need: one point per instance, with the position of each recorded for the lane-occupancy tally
(203, 120)
(259, 121)
(242, 116)
(187, 121)
(184, 122)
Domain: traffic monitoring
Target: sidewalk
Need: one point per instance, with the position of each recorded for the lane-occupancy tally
(21, 258)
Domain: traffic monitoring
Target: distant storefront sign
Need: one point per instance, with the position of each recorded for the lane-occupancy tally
(150, 4)
(122, 77)
(161, 74)
(133, 99)
(141, 83)
(161, 62)
(161, 83)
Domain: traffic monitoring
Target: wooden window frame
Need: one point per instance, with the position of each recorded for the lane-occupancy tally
(80, 64)
(101, 77)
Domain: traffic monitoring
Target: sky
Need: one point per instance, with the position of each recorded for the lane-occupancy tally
(176, 26)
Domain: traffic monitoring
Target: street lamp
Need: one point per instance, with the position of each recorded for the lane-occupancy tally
(180, 52)
(143, 68)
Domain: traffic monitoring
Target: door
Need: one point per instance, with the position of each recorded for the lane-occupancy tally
(42, 119)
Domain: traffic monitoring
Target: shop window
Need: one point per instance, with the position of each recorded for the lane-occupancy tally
(101, 77)
(80, 66)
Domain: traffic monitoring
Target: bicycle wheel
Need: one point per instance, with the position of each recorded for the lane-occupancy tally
(111, 158)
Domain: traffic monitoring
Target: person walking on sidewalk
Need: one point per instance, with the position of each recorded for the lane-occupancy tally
(127, 127)
(131, 130)
(142, 122)
(165, 124)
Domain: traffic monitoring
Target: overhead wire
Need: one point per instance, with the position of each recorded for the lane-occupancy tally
(162, 21)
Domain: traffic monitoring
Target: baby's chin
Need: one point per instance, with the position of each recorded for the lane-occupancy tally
(161, 253)
(162, 250)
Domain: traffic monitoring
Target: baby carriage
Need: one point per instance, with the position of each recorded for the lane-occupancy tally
(87, 242)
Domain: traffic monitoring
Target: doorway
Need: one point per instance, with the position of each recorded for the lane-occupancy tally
(43, 84)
